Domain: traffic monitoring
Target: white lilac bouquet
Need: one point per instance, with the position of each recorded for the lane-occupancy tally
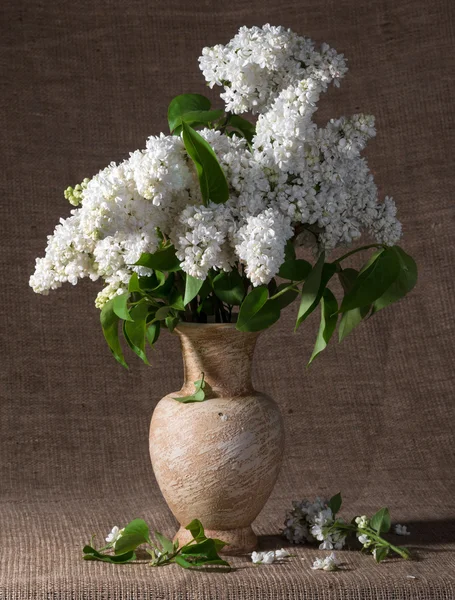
(311, 522)
(199, 225)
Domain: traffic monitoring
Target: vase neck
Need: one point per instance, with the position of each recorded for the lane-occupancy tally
(222, 353)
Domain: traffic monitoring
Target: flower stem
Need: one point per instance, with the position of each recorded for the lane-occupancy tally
(358, 250)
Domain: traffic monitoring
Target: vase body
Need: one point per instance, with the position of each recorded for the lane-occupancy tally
(217, 460)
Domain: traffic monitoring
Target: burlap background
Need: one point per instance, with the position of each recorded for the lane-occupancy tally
(82, 84)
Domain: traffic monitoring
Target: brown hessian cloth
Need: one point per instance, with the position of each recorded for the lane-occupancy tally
(84, 83)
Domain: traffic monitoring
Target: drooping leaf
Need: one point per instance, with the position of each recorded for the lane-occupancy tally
(266, 316)
(135, 330)
(163, 259)
(212, 179)
(229, 287)
(198, 395)
(176, 300)
(295, 269)
(403, 284)
(196, 529)
(380, 521)
(351, 318)
(192, 287)
(171, 322)
(312, 289)
(153, 332)
(120, 306)
(109, 324)
(162, 313)
(90, 553)
(329, 318)
(335, 503)
(183, 104)
(373, 281)
(247, 129)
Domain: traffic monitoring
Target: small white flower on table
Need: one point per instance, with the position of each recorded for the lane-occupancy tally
(401, 530)
(267, 558)
(329, 563)
(114, 535)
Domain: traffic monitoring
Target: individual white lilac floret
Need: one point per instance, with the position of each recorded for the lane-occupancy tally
(401, 530)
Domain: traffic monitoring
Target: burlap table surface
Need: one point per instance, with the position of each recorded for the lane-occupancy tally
(82, 84)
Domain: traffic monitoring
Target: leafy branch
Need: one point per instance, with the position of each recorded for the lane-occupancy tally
(201, 551)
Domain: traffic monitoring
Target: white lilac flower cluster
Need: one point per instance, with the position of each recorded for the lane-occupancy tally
(307, 521)
(329, 563)
(294, 176)
(267, 558)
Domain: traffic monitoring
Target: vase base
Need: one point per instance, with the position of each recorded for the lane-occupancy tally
(240, 541)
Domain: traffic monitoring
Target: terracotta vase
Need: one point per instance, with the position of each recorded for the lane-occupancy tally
(217, 460)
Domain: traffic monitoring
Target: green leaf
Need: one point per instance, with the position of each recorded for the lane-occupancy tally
(286, 298)
(380, 521)
(252, 304)
(329, 318)
(373, 281)
(192, 287)
(196, 529)
(247, 129)
(183, 104)
(134, 330)
(92, 554)
(229, 287)
(311, 291)
(133, 284)
(212, 179)
(182, 562)
(351, 318)
(335, 503)
(162, 313)
(197, 117)
(289, 251)
(295, 269)
(163, 259)
(380, 553)
(198, 395)
(403, 284)
(153, 333)
(166, 543)
(134, 534)
(266, 316)
(176, 300)
(171, 322)
(202, 553)
(109, 324)
(120, 306)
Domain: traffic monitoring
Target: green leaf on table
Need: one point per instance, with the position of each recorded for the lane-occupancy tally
(163, 259)
(403, 284)
(192, 288)
(183, 104)
(212, 180)
(198, 395)
(135, 330)
(295, 269)
(196, 529)
(351, 318)
(109, 324)
(329, 318)
(335, 503)
(92, 554)
(372, 281)
(166, 543)
(120, 306)
(134, 534)
(247, 129)
(229, 287)
(380, 521)
(380, 553)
